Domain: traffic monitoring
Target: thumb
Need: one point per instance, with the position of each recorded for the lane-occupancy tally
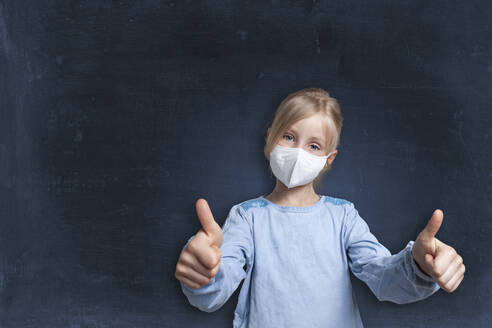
(432, 226)
(209, 226)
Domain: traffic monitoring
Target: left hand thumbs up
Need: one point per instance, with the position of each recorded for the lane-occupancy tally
(437, 259)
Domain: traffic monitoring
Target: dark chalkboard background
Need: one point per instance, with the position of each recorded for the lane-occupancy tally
(116, 116)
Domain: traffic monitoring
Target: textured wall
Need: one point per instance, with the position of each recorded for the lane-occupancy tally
(115, 116)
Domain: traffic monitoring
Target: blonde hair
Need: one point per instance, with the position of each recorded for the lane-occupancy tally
(302, 104)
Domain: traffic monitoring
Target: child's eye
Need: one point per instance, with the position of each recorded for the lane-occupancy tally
(317, 148)
(288, 136)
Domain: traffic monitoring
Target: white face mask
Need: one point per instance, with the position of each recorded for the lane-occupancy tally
(295, 166)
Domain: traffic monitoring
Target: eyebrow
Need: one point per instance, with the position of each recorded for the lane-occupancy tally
(321, 140)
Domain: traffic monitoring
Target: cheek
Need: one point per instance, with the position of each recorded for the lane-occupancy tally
(283, 142)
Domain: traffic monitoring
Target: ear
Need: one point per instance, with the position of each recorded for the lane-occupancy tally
(330, 159)
(268, 132)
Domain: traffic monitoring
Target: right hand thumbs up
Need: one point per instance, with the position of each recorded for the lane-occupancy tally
(200, 259)
(211, 228)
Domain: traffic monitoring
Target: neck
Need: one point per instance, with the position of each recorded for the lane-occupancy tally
(297, 196)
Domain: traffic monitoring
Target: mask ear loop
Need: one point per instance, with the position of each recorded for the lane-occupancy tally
(327, 165)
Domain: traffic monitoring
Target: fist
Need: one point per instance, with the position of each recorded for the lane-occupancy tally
(199, 261)
(437, 259)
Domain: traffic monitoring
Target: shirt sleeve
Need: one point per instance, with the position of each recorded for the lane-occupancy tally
(396, 278)
(237, 250)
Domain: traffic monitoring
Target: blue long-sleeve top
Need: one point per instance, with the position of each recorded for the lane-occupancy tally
(297, 261)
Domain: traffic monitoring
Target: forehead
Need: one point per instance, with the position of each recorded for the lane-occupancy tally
(312, 126)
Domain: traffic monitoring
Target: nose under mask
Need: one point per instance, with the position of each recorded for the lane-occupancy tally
(295, 166)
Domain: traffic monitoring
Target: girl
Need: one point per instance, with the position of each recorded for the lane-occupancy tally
(294, 248)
